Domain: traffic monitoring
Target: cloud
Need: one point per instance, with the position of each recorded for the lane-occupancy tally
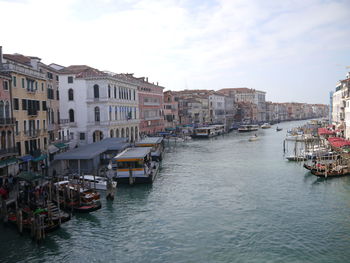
(201, 44)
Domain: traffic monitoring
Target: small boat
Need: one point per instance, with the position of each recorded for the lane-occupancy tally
(204, 132)
(279, 129)
(337, 171)
(97, 182)
(248, 128)
(253, 138)
(76, 197)
(266, 126)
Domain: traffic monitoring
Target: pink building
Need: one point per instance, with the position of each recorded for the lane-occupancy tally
(171, 110)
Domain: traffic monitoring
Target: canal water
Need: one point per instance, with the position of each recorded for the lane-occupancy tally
(219, 200)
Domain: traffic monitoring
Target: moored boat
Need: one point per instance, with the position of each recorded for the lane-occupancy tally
(156, 144)
(266, 126)
(135, 165)
(204, 132)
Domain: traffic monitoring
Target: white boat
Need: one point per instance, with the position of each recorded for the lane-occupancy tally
(253, 138)
(97, 182)
(266, 126)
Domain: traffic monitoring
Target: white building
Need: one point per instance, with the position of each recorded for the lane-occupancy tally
(96, 105)
(217, 107)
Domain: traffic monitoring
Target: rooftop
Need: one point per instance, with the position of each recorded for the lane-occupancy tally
(133, 153)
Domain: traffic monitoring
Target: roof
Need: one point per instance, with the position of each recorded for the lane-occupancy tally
(133, 153)
(325, 131)
(338, 142)
(92, 150)
(18, 58)
(82, 71)
(150, 140)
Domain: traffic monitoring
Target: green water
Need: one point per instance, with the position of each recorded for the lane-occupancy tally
(218, 200)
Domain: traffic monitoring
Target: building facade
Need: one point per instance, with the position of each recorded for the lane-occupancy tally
(96, 105)
(29, 100)
(171, 110)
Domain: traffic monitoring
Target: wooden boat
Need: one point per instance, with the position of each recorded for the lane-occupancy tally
(335, 172)
(266, 126)
(76, 197)
(95, 182)
(135, 165)
(157, 144)
(248, 128)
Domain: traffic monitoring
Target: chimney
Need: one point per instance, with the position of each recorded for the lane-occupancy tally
(0, 56)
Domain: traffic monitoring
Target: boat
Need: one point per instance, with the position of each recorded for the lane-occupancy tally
(157, 145)
(96, 182)
(337, 171)
(135, 165)
(76, 197)
(266, 126)
(279, 129)
(204, 132)
(248, 128)
(253, 138)
(296, 158)
(219, 129)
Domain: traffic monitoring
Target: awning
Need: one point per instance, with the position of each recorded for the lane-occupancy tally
(61, 145)
(40, 158)
(52, 149)
(7, 162)
(26, 158)
(29, 176)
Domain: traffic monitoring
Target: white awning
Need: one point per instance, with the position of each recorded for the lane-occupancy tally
(52, 149)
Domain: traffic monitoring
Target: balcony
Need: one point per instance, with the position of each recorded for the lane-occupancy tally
(7, 121)
(32, 133)
(23, 70)
(8, 151)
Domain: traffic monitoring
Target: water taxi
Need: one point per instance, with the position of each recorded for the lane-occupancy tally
(218, 129)
(248, 128)
(157, 145)
(204, 132)
(135, 165)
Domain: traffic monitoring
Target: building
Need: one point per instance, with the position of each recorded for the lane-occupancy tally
(96, 105)
(8, 151)
(171, 110)
(29, 101)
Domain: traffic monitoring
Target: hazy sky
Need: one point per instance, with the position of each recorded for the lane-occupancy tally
(295, 50)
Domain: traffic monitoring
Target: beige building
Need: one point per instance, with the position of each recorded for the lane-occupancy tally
(29, 100)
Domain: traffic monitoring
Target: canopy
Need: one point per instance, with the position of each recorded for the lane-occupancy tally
(325, 131)
(40, 158)
(8, 162)
(338, 142)
(26, 158)
(52, 149)
(61, 145)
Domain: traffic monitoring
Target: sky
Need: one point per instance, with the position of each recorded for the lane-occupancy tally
(295, 50)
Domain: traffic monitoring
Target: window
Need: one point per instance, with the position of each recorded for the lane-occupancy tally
(1, 109)
(38, 124)
(71, 115)
(15, 104)
(49, 75)
(44, 105)
(57, 95)
(16, 128)
(97, 114)
(14, 81)
(6, 85)
(96, 91)
(24, 104)
(44, 124)
(56, 77)
(70, 94)
(109, 91)
(82, 136)
(45, 141)
(70, 79)
(42, 86)
(23, 83)
(115, 92)
(25, 126)
(7, 110)
(134, 95)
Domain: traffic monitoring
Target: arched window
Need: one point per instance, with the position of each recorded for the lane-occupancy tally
(116, 113)
(52, 116)
(109, 91)
(97, 114)
(71, 115)
(2, 109)
(112, 133)
(70, 94)
(96, 91)
(117, 133)
(115, 92)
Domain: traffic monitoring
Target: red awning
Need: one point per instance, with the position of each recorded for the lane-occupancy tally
(325, 131)
(338, 142)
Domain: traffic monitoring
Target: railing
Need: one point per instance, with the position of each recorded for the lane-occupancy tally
(11, 150)
(32, 133)
(23, 70)
(7, 121)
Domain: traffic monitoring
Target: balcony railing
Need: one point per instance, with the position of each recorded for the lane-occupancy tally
(22, 70)
(32, 133)
(9, 151)
(7, 121)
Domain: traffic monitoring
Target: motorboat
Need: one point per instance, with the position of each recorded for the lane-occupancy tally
(96, 182)
(248, 128)
(266, 126)
(253, 138)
